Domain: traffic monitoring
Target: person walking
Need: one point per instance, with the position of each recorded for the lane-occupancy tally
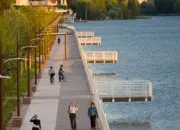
(93, 114)
(59, 41)
(72, 110)
(61, 76)
(51, 74)
(36, 122)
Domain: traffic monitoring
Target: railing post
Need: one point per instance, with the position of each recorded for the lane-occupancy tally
(129, 92)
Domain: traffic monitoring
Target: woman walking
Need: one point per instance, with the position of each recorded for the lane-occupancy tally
(93, 114)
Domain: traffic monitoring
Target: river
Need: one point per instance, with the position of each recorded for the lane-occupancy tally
(148, 49)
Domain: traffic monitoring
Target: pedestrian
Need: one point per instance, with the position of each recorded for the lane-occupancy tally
(51, 74)
(59, 40)
(61, 71)
(93, 114)
(36, 122)
(72, 110)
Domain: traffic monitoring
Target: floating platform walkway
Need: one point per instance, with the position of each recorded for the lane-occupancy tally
(124, 91)
(101, 56)
(90, 41)
(85, 34)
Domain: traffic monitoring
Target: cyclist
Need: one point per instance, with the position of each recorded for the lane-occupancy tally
(61, 76)
(51, 74)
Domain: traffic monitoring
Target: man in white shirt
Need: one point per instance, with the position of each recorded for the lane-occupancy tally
(72, 110)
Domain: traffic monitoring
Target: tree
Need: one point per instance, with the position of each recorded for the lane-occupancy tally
(110, 3)
(133, 5)
(4, 5)
(147, 8)
(164, 6)
(113, 14)
(177, 6)
(61, 21)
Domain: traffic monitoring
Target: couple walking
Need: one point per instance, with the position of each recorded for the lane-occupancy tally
(92, 114)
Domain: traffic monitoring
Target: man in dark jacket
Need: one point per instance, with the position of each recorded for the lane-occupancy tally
(61, 76)
(93, 114)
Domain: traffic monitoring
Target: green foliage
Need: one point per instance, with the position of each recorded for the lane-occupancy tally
(113, 14)
(164, 6)
(98, 9)
(95, 13)
(147, 8)
(177, 6)
(110, 3)
(5, 5)
(133, 5)
(22, 23)
(62, 20)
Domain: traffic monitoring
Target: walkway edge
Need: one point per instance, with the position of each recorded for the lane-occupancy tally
(102, 121)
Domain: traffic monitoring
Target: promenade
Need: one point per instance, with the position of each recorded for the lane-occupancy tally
(50, 102)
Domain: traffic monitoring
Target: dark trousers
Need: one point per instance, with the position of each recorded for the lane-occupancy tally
(72, 117)
(34, 128)
(93, 121)
(61, 77)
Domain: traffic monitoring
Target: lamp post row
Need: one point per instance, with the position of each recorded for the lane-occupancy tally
(18, 72)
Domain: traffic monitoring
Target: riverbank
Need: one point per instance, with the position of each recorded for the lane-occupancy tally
(149, 49)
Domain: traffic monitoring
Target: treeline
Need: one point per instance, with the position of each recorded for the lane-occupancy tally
(161, 7)
(101, 9)
(19, 25)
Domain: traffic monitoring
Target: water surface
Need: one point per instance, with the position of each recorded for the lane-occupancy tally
(148, 50)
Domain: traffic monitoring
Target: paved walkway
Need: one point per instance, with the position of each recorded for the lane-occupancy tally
(51, 102)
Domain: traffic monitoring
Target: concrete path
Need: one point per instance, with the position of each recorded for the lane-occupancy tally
(51, 102)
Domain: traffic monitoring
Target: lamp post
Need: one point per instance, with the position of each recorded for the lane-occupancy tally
(28, 75)
(1, 98)
(16, 119)
(35, 59)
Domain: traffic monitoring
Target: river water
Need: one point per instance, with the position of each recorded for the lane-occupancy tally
(148, 49)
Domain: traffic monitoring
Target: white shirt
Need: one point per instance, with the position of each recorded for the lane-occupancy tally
(51, 71)
(73, 109)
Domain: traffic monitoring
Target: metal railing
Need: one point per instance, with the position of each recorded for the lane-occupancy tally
(104, 125)
(134, 88)
(101, 55)
(85, 34)
(91, 40)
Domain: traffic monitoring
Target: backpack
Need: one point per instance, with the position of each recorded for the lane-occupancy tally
(93, 113)
(69, 108)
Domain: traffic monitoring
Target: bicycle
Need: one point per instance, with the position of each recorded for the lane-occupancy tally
(64, 78)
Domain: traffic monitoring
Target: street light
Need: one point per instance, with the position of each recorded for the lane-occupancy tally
(1, 100)
(35, 59)
(2, 90)
(34, 39)
(28, 75)
(4, 77)
(11, 59)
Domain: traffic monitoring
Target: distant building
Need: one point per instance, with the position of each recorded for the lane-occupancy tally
(41, 2)
(140, 1)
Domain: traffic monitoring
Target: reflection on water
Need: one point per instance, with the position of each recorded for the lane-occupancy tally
(131, 127)
(148, 50)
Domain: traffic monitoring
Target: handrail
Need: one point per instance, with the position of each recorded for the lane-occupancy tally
(102, 116)
(125, 88)
(85, 34)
